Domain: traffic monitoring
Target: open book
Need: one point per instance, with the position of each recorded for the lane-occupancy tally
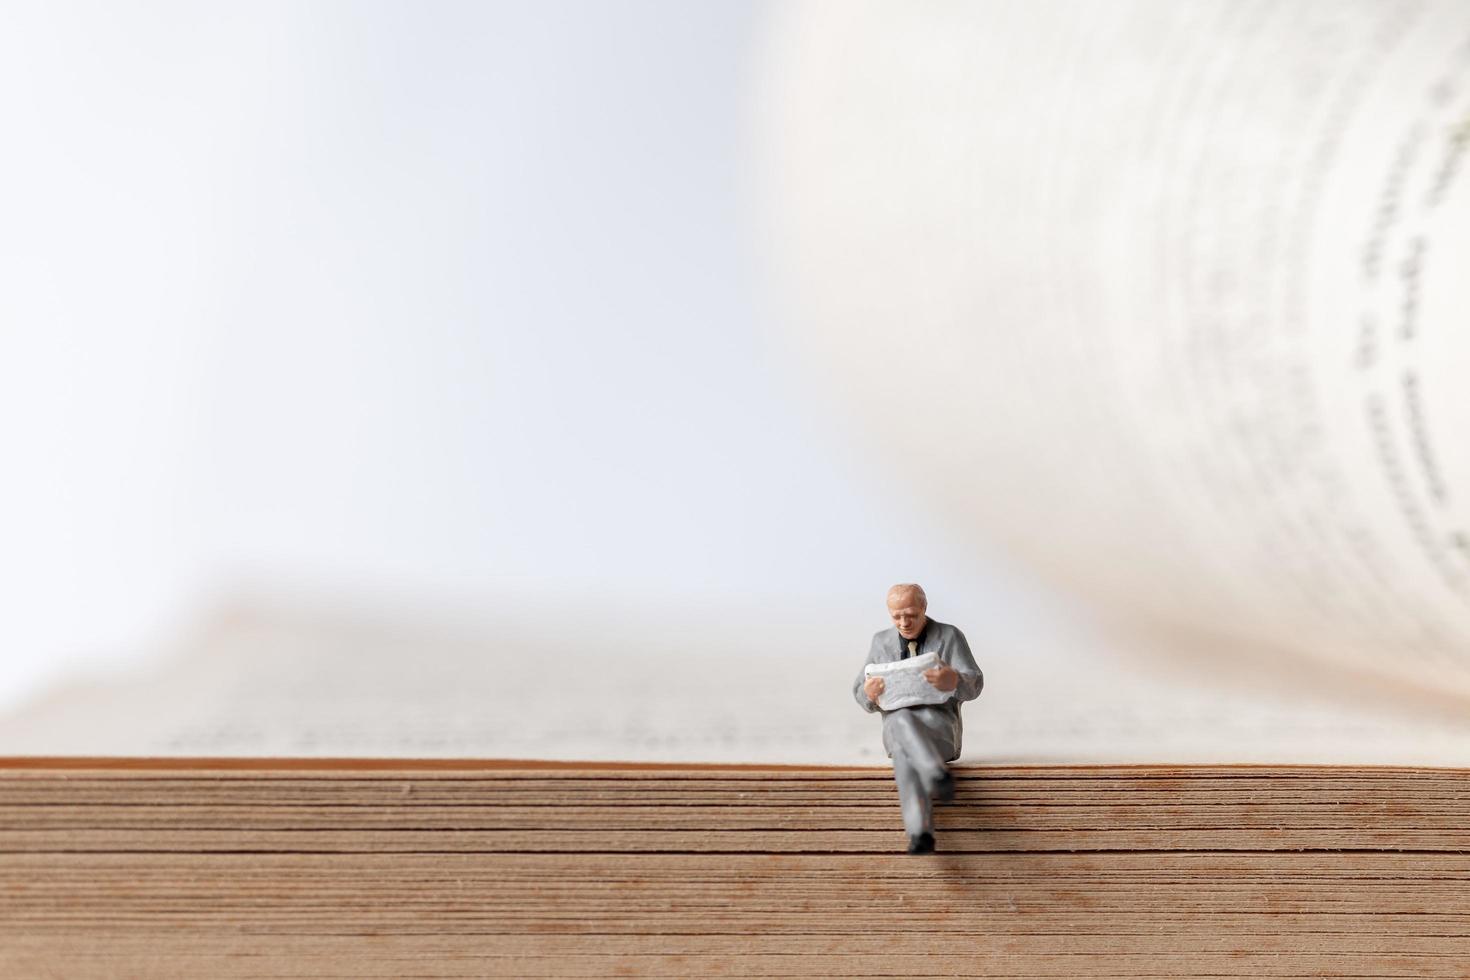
(1170, 299)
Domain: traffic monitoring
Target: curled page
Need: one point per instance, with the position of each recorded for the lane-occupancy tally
(1165, 299)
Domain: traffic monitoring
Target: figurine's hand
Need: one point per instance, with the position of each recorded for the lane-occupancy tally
(944, 677)
(873, 688)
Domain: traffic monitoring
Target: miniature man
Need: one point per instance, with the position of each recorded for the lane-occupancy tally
(922, 738)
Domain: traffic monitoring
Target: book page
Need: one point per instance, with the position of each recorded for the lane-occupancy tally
(605, 685)
(1168, 299)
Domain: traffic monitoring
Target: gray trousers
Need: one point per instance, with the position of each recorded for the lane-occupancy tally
(918, 766)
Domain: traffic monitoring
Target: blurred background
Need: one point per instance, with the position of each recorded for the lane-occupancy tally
(445, 306)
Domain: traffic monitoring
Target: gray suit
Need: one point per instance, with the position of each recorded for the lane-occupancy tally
(921, 739)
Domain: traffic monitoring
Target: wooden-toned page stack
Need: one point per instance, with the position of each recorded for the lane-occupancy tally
(265, 869)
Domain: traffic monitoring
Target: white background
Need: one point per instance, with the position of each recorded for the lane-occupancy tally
(422, 301)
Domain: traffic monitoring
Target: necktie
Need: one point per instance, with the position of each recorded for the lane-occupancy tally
(913, 648)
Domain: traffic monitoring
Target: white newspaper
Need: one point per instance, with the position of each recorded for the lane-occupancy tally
(904, 684)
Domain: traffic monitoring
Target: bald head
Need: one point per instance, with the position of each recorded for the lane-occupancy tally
(909, 591)
(907, 606)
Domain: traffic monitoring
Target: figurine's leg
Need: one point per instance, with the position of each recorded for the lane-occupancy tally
(913, 797)
(914, 741)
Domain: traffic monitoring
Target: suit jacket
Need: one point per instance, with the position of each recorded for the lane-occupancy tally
(942, 721)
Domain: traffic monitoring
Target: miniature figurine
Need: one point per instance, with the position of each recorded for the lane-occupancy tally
(920, 702)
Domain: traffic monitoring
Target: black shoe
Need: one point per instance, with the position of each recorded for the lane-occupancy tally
(944, 789)
(921, 843)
